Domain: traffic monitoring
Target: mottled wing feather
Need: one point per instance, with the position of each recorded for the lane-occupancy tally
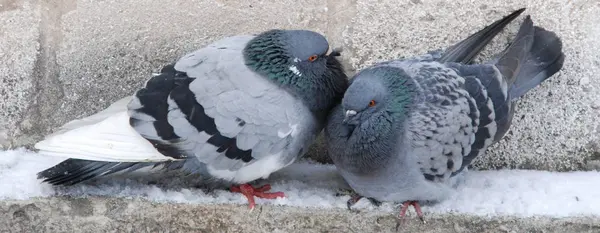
(495, 87)
(442, 127)
(454, 120)
(458, 119)
(486, 127)
(209, 105)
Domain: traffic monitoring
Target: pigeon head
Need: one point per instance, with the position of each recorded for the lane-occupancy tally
(298, 60)
(376, 94)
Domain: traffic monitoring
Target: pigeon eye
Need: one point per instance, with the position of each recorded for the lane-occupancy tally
(312, 58)
(372, 103)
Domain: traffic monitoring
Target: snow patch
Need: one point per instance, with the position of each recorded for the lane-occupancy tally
(309, 184)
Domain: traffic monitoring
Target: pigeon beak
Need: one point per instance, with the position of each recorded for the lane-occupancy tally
(336, 52)
(348, 116)
(350, 113)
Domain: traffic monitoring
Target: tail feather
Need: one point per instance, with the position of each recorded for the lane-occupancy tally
(534, 56)
(545, 59)
(111, 139)
(515, 55)
(114, 108)
(465, 50)
(73, 171)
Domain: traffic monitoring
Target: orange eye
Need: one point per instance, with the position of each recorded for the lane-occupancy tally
(372, 103)
(313, 58)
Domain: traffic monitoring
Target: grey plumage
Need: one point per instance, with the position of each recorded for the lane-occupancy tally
(466, 50)
(406, 127)
(234, 111)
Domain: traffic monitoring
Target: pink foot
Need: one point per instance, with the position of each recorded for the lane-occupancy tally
(402, 215)
(251, 192)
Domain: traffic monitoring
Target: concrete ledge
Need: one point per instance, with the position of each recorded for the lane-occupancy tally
(93, 214)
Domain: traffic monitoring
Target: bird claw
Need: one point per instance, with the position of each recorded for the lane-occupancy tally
(251, 192)
(354, 198)
(402, 216)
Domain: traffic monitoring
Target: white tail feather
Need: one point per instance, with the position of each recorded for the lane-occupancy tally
(105, 136)
(119, 106)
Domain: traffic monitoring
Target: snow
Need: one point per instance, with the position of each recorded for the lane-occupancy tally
(308, 184)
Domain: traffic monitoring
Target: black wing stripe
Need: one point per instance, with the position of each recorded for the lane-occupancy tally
(154, 101)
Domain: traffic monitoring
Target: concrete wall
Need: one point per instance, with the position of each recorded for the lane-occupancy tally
(66, 59)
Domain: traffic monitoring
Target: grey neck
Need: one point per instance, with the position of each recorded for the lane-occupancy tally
(266, 55)
(372, 150)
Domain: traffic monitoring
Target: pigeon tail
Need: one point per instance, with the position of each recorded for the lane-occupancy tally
(465, 50)
(534, 56)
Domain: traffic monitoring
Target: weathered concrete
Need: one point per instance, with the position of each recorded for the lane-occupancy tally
(63, 214)
(19, 45)
(68, 59)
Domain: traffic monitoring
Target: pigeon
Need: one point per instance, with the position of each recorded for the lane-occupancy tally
(232, 112)
(463, 52)
(407, 128)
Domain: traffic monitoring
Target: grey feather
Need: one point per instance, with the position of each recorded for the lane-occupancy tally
(467, 49)
(538, 55)
(406, 128)
(534, 56)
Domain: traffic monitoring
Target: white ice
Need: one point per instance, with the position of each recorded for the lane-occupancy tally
(489, 193)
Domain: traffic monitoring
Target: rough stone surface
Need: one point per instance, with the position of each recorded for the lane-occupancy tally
(64, 214)
(19, 46)
(69, 59)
